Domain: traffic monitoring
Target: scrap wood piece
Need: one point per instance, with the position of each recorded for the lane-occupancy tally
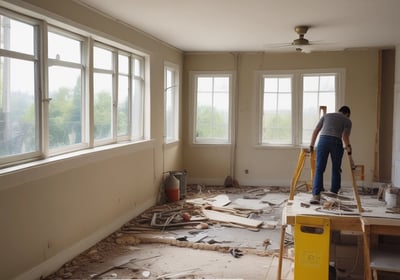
(336, 211)
(223, 217)
(181, 274)
(255, 194)
(234, 211)
(111, 267)
(238, 226)
(249, 205)
(219, 200)
(169, 223)
(258, 190)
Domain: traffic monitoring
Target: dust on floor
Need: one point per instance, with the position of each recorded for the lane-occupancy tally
(178, 241)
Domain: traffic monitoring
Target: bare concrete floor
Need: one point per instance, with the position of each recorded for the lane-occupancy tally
(140, 251)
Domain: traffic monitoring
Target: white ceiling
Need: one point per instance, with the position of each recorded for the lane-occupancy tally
(260, 25)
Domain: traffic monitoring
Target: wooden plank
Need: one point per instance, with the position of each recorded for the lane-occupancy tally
(222, 217)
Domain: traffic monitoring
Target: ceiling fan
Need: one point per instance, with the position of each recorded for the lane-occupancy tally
(301, 44)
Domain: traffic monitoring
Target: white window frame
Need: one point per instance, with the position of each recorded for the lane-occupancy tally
(174, 89)
(37, 58)
(193, 101)
(42, 26)
(297, 101)
(84, 101)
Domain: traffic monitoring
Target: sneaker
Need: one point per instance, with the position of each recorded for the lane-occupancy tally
(315, 199)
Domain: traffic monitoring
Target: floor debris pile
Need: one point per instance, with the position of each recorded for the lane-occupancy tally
(237, 224)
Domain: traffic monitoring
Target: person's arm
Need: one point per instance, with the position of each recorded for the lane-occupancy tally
(346, 141)
(346, 137)
(315, 133)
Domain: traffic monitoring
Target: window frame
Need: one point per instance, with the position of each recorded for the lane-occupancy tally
(193, 101)
(297, 101)
(175, 88)
(84, 98)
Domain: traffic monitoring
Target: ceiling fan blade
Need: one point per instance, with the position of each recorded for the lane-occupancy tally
(277, 45)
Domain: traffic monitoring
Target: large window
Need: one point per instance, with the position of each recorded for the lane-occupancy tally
(53, 110)
(213, 107)
(291, 104)
(171, 103)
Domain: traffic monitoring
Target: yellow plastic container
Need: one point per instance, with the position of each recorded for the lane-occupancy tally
(311, 248)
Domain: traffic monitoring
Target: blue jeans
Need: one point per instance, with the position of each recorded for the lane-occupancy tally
(333, 146)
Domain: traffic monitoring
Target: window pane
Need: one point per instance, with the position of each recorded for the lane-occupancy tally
(213, 109)
(137, 68)
(171, 105)
(123, 106)
(137, 109)
(102, 58)
(318, 90)
(204, 84)
(310, 83)
(17, 36)
(103, 106)
(277, 111)
(64, 48)
(18, 110)
(123, 64)
(65, 108)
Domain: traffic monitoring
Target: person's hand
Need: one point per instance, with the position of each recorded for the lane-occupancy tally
(348, 149)
(311, 149)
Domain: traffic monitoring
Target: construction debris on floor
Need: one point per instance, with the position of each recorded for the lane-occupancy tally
(214, 232)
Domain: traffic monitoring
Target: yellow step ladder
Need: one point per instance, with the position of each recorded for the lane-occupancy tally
(304, 153)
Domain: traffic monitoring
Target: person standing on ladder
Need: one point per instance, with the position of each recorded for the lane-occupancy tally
(334, 130)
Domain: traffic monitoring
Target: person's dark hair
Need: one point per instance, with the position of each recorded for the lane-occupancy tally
(344, 110)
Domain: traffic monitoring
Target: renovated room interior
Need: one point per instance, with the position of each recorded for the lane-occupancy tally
(57, 204)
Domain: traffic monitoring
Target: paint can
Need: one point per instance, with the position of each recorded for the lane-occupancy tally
(391, 197)
(171, 186)
(181, 176)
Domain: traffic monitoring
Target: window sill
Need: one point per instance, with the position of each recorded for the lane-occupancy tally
(19, 174)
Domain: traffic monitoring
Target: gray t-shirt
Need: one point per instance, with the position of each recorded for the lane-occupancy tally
(334, 124)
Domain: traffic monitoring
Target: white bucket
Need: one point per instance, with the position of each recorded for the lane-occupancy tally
(391, 195)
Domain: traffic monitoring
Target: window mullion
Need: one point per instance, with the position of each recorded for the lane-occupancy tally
(44, 104)
(115, 96)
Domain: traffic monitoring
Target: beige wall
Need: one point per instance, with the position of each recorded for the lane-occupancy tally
(49, 213)
(276, 165)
